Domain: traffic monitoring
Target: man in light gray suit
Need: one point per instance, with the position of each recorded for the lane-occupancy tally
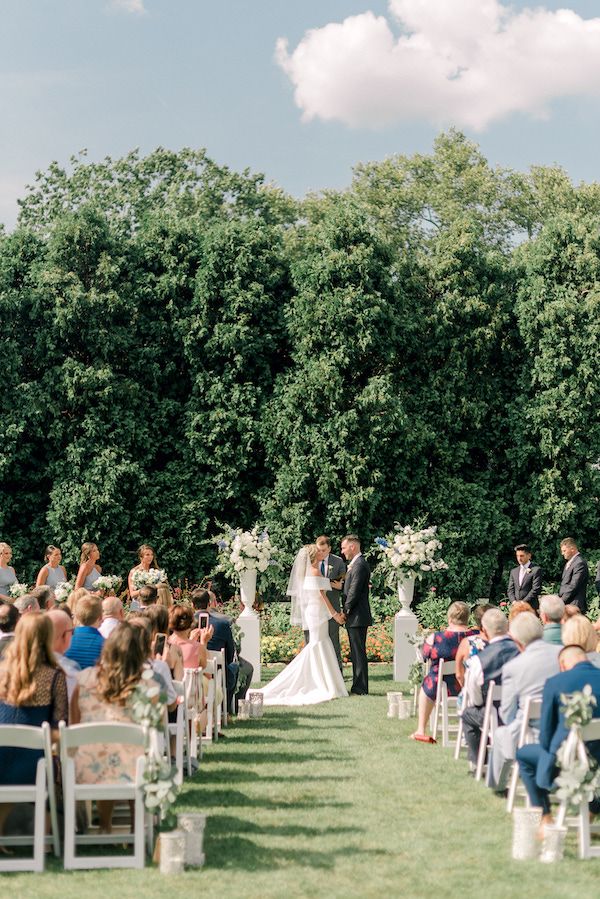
(522, 677)
(334, 568)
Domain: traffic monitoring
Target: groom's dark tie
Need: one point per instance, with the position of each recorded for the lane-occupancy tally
(323, 567)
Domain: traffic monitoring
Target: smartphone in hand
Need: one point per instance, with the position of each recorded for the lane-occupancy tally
(159, 644)
(203, 620)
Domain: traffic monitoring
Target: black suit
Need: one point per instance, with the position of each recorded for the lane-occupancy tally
(222, 638)
(358, 619)
(531, 587)
(574, 582)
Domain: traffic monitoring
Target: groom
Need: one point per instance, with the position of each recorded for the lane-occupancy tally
(357, 611)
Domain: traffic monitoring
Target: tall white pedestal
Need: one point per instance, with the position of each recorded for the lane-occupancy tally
(405, 625)
(249, 622)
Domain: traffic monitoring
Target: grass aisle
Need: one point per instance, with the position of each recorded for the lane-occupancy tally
(335, 801)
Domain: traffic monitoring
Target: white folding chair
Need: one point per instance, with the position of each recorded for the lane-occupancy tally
(445, 705)
(194, 702)
(23, 737)
(581, 821)
(71, 739)
(220, 708)
(210, 733)
(460, 738)
(490, 723)
(180, 729)
(531, 713)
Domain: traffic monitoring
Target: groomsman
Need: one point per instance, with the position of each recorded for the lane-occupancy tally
(334, 568)
(525, 581)
(575, 576)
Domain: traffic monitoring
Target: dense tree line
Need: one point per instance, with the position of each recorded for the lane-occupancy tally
(184, 345)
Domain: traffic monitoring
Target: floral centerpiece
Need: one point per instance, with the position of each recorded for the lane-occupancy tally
(16, 590)
(579, 777)
(62, 591)
(150, 578)
(239, 551)
(109, 583)
(409, 553)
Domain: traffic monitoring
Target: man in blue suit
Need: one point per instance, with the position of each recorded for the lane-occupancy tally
(537, 762)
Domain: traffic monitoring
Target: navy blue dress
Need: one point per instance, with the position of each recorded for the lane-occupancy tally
(18, 766)
(445, 646)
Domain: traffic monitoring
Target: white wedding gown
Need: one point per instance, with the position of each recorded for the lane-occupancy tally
(314, 675)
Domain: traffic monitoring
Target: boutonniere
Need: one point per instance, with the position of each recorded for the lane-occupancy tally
(330, 571)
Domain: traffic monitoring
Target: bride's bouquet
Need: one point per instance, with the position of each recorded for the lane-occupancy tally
(109, 583)
(151, 578)
(239, 551)
(407, 552)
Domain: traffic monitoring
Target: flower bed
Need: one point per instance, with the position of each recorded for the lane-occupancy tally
(283, 647)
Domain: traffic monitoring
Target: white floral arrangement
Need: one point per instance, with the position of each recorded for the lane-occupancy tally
(409, 552)
(148, 704)
(62, 591)
(239, 550)
(579, 778)
(16, 590)
(151, 578)
(110, 583)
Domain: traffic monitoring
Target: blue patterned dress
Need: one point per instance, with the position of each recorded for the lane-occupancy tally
(445, 646)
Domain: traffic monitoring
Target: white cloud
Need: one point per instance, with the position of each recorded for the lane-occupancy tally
(465, 62)
(132, 6)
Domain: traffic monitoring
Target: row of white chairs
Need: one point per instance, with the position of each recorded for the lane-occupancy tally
(188, 736)
(446, 711)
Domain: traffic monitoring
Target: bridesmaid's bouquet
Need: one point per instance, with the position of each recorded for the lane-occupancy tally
(62, 591)
(17, 590)
(150, 578)
(108, 583)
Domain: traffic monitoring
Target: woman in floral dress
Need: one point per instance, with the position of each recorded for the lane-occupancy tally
(441, 645)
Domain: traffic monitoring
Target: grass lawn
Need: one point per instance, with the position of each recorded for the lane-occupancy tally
(335, 801)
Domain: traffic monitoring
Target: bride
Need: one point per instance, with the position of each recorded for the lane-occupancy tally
(314, 675)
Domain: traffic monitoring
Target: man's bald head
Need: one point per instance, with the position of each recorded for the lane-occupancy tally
(63, 629)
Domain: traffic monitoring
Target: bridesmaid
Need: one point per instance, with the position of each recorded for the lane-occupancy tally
(89, 570)
(52, 573)
(7, 574)
(147, 558)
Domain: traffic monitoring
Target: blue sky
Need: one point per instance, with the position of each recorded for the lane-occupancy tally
(103, 75)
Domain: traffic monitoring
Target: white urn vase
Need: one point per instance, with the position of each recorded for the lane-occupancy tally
(406, 592)
(248, 592)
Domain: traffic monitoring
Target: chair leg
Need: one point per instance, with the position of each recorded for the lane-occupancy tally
(483, 745)
(512, 789)
(584, 831)
(69, 816)
(459, 737)
(445, 738)
(39, 828)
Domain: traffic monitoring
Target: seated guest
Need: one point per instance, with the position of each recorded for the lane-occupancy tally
(192, 642)
(45, 597)
(486, 667)
(74, 598)
(441, 645)
(570, 612)
(27, 604)
(239, 670)
(159, 618)
(146, 597)
(472, 645)
(87, 641)
(165, 597)
(102, 694)
(537, 762)
(63, 630)
(552, 610)
(162, 673)
(33, 689)
(523, 678)
(9, 617)
(579, 631)
(112, 615)
(517, 607)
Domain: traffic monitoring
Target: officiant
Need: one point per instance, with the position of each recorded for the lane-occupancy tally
(334, 568)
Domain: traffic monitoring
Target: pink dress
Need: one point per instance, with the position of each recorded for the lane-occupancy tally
(190, 650)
